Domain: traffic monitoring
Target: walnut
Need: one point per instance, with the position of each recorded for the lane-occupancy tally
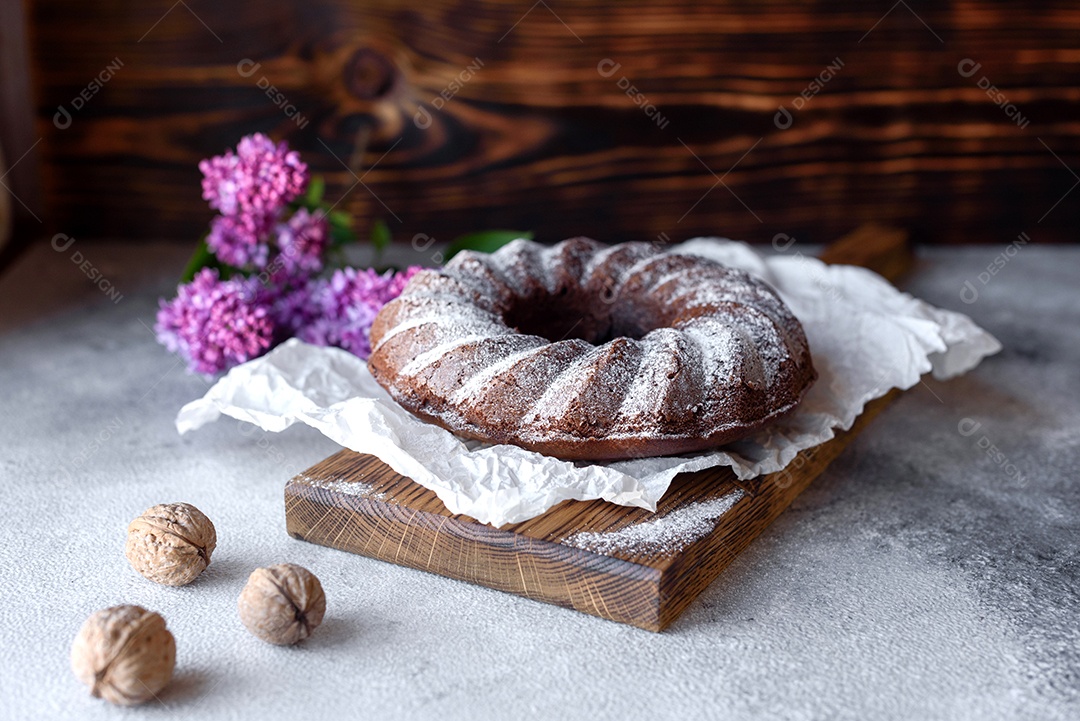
(124, 654)
(171, 543)
(282, 604)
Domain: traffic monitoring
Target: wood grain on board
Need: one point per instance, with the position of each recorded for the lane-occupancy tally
(941, 117)
(592, 556)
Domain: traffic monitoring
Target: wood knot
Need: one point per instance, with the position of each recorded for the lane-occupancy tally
(370, 75)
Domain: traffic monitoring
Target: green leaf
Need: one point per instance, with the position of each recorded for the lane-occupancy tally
(339, 219)
(380, 236)
(486, 241)
(340, 228)
(315, 191)
(201, 258)
(340, 236)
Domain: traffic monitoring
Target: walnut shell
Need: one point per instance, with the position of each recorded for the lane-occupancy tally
(282, 604)
(171, 543)
(124, 654)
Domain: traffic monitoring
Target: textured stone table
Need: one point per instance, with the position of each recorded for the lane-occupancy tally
(924, 575)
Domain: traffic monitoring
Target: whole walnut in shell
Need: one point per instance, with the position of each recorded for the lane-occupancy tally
(171, 543)
(282, 604)
(124, 654)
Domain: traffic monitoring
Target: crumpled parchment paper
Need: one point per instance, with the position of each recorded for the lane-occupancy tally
(866, 337)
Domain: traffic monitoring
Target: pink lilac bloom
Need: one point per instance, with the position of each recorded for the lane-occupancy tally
(214, 324)
(398, 282)
(344, 307)
(234, 243)
(254, 184)
(301, 241)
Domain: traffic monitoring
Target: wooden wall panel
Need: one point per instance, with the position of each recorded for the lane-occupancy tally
(20, 181)
(536, 137)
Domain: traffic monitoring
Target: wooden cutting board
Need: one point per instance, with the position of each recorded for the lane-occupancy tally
(623, 564)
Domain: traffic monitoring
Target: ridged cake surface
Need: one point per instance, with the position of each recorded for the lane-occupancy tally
(591, 352)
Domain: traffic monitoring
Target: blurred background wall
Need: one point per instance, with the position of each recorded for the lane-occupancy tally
(617, 119)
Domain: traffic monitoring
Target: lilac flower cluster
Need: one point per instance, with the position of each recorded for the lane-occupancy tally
(215, 323)
(252, 188)
(302, 240)
(340, 310)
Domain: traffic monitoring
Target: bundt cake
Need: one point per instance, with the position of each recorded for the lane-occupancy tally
(585, 351)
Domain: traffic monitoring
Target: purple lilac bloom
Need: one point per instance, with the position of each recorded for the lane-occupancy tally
(256, 183)
(350, 330)
(294, 309)
(344, 307)
(215, 324)
(302, 240)
(235, 243)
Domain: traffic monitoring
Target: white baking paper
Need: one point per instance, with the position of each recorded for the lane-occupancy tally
(866, 337)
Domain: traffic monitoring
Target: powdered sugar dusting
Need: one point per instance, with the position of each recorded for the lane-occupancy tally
(478, 382)
(660, 536)
(732, 329)
(463, 326)
(341, 485)
(602, 373)
(562, 389)
(645, 394)
(428, 357)
(718, 345)
(521, 262)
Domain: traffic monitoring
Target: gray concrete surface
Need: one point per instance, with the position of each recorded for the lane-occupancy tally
(931, 572)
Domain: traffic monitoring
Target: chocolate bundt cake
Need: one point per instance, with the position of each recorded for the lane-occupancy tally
(592, 352)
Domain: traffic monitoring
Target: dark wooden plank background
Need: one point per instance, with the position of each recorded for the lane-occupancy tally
(538, 138)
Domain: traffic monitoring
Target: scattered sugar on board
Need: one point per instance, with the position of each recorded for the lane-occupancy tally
(664, 535)
(340, 485)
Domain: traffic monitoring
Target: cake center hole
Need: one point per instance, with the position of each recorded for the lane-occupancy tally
(563, 316)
